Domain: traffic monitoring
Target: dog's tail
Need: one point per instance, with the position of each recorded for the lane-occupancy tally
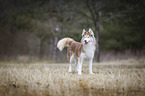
(63, 43)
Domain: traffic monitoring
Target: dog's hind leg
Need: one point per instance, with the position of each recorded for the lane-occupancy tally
(76, 65)
(80, 62)
(71, 61)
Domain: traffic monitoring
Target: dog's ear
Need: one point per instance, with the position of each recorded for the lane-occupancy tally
(83, 32)
(91, 32)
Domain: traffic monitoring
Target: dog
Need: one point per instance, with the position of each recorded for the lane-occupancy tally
(79, 52)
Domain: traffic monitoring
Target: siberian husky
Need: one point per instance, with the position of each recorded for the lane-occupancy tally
(79, 52)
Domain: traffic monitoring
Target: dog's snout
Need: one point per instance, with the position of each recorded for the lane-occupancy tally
(86, 42)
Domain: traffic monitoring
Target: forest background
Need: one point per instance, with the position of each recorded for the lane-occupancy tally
(30, 29)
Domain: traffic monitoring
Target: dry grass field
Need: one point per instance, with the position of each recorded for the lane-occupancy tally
(116, 78)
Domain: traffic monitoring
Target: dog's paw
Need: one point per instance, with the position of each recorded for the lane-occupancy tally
(79, 73)
(69, 71)
(92, 73)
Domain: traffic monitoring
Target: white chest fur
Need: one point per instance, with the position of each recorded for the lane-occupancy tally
(89, 50)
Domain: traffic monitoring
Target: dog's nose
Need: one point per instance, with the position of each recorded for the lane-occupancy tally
(86, 42)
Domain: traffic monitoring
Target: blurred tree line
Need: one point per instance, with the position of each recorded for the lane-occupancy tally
(33, 27)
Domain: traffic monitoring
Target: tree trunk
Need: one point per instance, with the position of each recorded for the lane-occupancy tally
(41, 51)
(55, 48)
(97, 29)
(97, 42)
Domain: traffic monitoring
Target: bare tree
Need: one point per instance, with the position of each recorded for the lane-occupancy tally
(94, 7)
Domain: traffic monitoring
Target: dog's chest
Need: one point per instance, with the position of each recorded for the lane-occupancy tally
(89, 50)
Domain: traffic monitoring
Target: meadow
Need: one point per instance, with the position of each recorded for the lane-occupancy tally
(114, 78)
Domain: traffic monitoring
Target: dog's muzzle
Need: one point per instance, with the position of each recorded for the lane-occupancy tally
(86, 42)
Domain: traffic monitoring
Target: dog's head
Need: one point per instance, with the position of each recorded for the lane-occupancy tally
(87, 36)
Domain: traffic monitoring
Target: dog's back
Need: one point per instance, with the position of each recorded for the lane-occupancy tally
(74, 48)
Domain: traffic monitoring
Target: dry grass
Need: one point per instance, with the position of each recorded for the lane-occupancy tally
(40, 79)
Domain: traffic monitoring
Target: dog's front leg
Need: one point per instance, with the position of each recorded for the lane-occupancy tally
(90, 66)
(80, 62)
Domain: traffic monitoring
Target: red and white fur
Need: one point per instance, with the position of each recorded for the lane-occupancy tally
(80, 52)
